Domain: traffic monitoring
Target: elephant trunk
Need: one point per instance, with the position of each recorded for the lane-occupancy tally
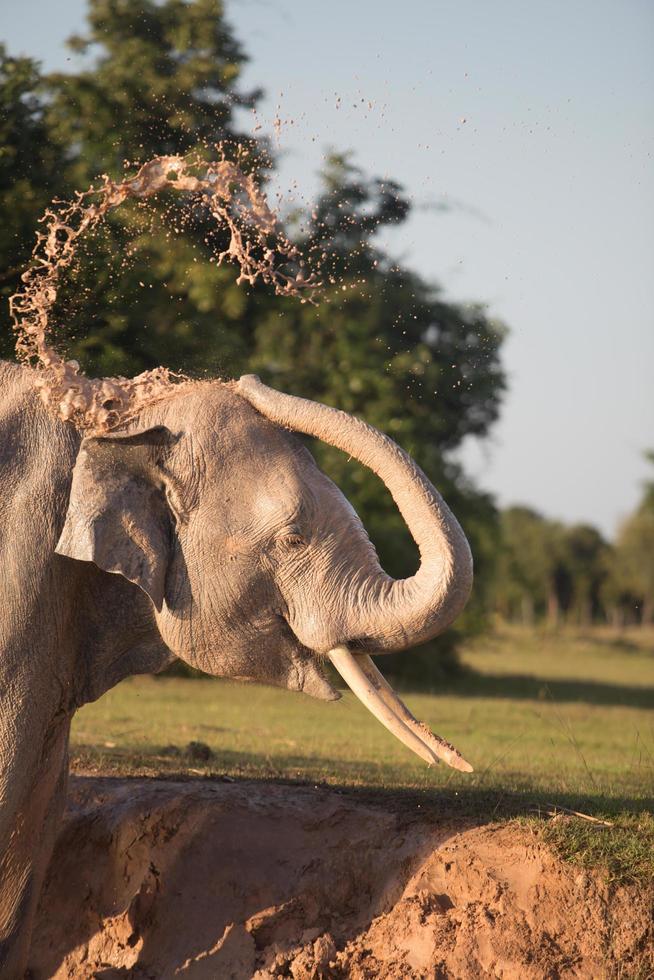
(392, 614)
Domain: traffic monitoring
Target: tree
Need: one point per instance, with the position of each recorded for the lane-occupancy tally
(548, 571)
(30, 175)
(529, 574)
(165, 81)
(584, 560)
(632, 579)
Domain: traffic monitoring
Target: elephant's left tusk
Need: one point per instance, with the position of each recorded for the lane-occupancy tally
(369, 685)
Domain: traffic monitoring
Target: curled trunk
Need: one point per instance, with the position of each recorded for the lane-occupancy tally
(397, 613)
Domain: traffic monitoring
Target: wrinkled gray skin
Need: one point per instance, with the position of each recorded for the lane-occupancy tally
(204, 532)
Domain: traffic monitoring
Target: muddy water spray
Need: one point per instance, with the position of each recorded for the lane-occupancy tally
(256, 243)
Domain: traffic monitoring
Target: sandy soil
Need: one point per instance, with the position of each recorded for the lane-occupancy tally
(157, 879)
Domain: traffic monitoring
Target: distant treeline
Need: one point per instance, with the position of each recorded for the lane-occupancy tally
(552, 573)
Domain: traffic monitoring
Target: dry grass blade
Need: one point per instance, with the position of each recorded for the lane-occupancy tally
(556, 809)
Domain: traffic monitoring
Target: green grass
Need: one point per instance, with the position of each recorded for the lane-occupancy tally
(624, 850)
(548, 722)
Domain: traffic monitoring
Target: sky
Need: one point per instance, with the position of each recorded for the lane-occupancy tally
(534, 122)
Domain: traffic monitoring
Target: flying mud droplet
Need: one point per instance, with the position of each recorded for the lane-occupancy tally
(257, 245)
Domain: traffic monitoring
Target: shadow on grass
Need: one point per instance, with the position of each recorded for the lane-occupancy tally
(593, 825)
(478, 800)
(524, 687)
(621, 644)
(465, 682)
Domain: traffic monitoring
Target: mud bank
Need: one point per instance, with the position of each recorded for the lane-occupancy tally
(157, 879)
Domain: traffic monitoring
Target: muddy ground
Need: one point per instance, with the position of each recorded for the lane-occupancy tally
(205, 879)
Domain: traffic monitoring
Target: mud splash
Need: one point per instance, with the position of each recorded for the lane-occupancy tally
(257, 245)
(250, 881)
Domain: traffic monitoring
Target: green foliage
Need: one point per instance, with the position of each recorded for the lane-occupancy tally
(165, 80)
(30, 175)
(584, 566)
(632, 581)
(527, 566)
(624, 850)
(549, 571)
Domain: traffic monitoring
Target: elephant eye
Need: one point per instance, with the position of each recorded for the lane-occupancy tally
(291, 539)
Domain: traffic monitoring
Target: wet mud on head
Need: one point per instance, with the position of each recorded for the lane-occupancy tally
(162, 879)
(256, 244)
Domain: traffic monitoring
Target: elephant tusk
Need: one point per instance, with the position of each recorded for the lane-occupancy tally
(369, 685)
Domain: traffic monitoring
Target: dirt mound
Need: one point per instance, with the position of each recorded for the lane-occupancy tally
(155, 879)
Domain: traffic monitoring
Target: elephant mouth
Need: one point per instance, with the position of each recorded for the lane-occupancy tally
(369, 685)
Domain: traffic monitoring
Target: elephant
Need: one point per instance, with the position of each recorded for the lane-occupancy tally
(202, 530)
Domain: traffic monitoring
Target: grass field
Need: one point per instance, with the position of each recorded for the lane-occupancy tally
(548, 721)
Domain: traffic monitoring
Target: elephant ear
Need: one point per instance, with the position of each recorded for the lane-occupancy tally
(118, 516)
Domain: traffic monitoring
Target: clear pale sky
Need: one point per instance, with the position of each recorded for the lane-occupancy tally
(536, 119)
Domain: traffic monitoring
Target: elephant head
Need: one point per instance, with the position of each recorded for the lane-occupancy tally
(256, 565)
